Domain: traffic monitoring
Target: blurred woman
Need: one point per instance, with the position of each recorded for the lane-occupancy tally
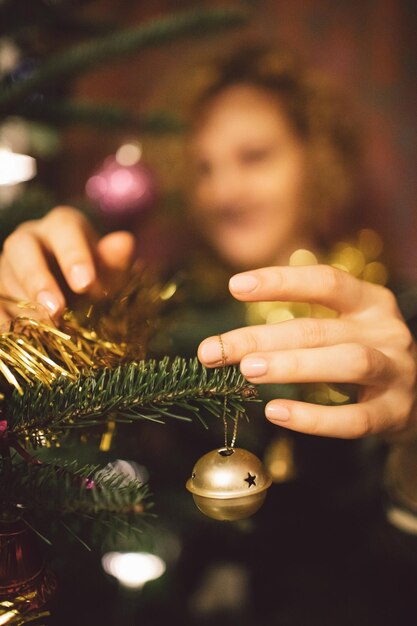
(273, 157)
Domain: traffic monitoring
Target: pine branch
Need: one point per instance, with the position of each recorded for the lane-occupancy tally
(66, 112)
(64, 488)
(84, 502)
(83, 57)
(141, 390)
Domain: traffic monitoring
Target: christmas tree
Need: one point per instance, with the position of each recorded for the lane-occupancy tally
(82, 375)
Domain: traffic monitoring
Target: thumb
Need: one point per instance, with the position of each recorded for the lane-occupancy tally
(115, 251)
(114, 255)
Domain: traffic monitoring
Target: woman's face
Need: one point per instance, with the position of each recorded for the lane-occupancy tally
(250, 164)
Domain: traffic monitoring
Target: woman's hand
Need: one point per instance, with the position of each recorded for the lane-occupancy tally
(63, 240)
(368, 344)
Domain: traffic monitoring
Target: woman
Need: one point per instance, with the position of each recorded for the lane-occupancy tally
(274, 162)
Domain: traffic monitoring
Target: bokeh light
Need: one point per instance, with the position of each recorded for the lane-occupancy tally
(15, 168)
(133, 569)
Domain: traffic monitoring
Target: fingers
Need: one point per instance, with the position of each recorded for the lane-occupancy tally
(320, 284)
(365, 345)
(4, 320)
(9, 284)
(65, 238)
(297, 333)
(25, 272)
(114, 257)
(69, 238)
(349, 421)
(63, 235)
(116, 250)
(344, 363)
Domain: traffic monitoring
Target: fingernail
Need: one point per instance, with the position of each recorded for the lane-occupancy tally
(211, 351)
(49, 301)
(253, 366)
(81, 276)
(243, 283)
(277, 412)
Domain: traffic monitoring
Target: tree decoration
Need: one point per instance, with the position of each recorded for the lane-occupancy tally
(229, 483)
(18, 611)
(22, 566)
(122, 192)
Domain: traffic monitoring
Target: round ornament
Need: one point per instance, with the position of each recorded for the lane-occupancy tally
(229, 484)
(22, 568)
(122, 192)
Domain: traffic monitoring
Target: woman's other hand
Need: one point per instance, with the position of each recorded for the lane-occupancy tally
(368, 344)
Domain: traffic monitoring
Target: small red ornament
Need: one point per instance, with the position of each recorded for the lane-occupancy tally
(22, 568)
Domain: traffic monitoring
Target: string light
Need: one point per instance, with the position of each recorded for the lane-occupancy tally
(129, 154)
(15, 168)
(133, 569)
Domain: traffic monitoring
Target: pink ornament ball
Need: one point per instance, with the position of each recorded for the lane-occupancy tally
(122, 192)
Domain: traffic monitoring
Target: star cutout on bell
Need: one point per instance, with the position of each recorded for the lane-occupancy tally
(250, 480)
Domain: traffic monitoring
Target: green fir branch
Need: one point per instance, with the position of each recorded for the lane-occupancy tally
(149, 389)
(65, 488)
(87, 502)
(83, 57)
(65, 112)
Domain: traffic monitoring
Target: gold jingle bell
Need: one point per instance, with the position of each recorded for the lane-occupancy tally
(229, 484)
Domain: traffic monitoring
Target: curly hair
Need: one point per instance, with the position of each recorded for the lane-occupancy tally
(318, 112)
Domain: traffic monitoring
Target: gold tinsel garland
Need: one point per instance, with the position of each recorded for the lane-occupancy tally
(34, 349)
(14, 613)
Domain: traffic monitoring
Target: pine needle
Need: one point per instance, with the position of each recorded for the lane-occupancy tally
(155, 390)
